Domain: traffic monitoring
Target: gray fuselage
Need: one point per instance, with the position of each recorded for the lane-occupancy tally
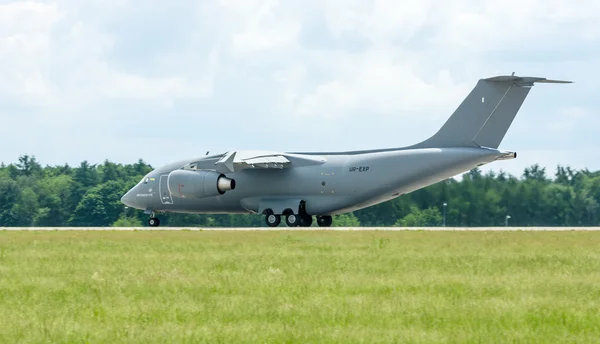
(344, 182)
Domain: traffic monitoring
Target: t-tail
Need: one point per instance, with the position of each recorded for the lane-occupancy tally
(483, 118)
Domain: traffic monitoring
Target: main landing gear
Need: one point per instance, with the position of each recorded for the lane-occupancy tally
(324, 221)
(295, 220)
(298, 220)
(272, 219)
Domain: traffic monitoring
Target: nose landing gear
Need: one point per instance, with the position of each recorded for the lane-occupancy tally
(153, 221)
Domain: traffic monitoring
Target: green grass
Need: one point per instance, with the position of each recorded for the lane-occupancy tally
(231, 287)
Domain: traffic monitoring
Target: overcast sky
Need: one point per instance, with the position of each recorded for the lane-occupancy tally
(164, 80)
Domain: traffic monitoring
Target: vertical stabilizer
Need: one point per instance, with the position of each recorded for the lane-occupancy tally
(484, 116)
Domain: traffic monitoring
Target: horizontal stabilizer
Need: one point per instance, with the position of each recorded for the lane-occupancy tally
(546, 81)
(525, 80)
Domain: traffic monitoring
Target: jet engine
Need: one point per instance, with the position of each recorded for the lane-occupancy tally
(198, 184)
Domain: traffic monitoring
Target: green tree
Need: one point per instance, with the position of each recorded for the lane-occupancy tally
(90, 211)
(559, 202)
(127, 222)
(110, 171)
(346, 220)
(100, 206)
(28, 166)
(89, 195)
(429, 217)
(26, 208)
(56, 200)
(10, 194)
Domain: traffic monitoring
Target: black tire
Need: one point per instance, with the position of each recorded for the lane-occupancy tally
(154, 222)
(272, 220)
(324, 221)
(306, 221)
(292, 220)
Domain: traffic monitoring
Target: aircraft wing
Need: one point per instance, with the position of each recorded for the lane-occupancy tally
(239, 160)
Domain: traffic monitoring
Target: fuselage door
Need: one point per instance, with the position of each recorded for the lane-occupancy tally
(163, 189)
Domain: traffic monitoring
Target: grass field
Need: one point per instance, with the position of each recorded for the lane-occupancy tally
(307, 286)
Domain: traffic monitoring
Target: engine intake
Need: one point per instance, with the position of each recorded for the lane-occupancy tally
(198, 184)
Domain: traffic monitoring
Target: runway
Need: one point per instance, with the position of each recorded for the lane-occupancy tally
(283, 228)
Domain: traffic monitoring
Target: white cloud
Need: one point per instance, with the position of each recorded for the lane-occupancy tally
(262, 29)
(374, 82)
(25, 45)
(56, 59)
(27, 17)
(310, 75)
(567, 120)
(522, 29)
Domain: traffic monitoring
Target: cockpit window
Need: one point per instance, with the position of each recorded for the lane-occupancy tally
(147, 180)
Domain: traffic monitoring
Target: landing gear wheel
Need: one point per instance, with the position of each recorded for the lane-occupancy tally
(272, 220)
(324, 221)
(154, 222)
(306, 220)
(292, 220)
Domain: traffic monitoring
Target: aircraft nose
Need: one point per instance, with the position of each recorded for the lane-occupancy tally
(128, 198)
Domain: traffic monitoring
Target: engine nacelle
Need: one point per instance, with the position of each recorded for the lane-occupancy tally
(198, 184)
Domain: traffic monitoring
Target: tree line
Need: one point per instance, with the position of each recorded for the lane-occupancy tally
(89, 195)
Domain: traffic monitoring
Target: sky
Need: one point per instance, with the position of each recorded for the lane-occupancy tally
(165, 80)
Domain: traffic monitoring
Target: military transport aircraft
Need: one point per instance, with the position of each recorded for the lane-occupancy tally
(300, 185)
